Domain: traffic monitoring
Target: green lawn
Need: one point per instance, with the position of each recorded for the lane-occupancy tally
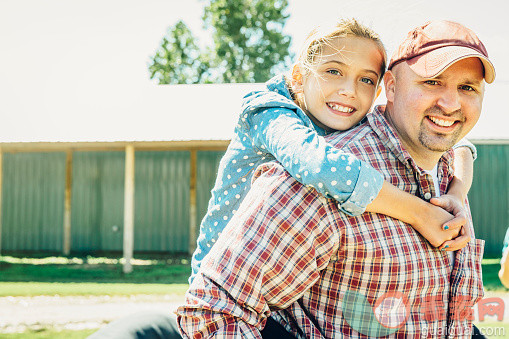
(91, 276)
(494, 329)
(49, 334)
(42, 275)
(66, 289)
(21, 276)
(490, 268)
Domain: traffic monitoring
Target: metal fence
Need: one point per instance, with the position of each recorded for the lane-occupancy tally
(34, 184)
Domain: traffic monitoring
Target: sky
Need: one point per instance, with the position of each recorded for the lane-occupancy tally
(85, 62)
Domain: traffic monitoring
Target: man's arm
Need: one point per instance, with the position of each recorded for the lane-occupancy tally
(268, 256)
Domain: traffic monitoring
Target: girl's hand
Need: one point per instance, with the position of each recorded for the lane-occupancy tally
(459, 242)
(453, 205)
(430, 220)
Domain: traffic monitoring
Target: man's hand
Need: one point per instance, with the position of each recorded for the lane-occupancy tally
(453, 205)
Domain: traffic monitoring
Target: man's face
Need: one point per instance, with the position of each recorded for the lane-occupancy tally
(431, 115)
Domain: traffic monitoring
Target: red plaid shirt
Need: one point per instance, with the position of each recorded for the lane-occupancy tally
(290, 252)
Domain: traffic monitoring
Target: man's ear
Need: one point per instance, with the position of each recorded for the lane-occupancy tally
(297, 79)
(390, 85)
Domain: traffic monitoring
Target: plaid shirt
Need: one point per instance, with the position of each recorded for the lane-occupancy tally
(290, 251)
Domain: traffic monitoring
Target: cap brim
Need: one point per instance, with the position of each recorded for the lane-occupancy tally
(433, 63)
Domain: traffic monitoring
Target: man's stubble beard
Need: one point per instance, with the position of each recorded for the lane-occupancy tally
(445, 141)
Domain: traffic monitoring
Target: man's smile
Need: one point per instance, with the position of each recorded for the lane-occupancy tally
(442, 124)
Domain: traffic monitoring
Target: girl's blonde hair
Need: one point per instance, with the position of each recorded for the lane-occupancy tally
(322, 36)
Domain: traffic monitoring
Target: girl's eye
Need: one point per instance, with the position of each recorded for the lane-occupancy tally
(368, 81)
(334, 71)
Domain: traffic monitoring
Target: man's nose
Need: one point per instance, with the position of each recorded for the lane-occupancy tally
(449, 100)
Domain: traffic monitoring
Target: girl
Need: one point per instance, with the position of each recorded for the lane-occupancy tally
(331, 88)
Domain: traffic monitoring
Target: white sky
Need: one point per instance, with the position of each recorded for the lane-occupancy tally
(87, 60)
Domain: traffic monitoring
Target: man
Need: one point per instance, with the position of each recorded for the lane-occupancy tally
(291, 253)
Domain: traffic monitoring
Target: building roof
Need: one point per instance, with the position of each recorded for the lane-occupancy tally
(173, 113)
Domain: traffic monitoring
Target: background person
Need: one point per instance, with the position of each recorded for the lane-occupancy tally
(504, 262)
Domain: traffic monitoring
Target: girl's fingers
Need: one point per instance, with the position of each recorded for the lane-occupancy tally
(458, 221)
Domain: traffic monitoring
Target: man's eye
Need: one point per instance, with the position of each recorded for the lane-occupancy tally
(467, 88)
(368, 81)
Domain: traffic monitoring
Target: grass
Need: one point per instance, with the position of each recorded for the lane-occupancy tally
(490, 268)
(93, 269)
(493, 329)
(28, 289)
(20, 276)
(49, 333)
(87, 275)
(91, 276)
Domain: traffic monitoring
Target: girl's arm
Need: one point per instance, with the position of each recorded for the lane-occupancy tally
(292, 139)
(425, 218)
(341, 176)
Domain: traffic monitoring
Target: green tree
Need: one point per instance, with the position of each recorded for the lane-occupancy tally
(248, 35)
(249, 45)
(179, 60)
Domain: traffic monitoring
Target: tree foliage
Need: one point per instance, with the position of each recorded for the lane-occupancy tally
(179, 60)
(249, 45)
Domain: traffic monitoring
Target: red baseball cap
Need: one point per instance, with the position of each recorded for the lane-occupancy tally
(429, 49)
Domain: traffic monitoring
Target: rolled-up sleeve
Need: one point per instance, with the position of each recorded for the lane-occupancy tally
(466, 143)
(311, 160)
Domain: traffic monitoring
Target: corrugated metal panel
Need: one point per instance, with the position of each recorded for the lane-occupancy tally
(33, 201)
(97, 201)
(162, 201)
(489, 196)
(207, 163)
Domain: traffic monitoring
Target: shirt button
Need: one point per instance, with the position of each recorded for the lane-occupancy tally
(427, 195)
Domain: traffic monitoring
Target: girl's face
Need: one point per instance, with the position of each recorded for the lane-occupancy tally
(342, 84)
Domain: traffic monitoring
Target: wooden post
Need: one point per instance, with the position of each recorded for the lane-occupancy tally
(1, 176)
(129, 209)
(67, 204)
(192, 202)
